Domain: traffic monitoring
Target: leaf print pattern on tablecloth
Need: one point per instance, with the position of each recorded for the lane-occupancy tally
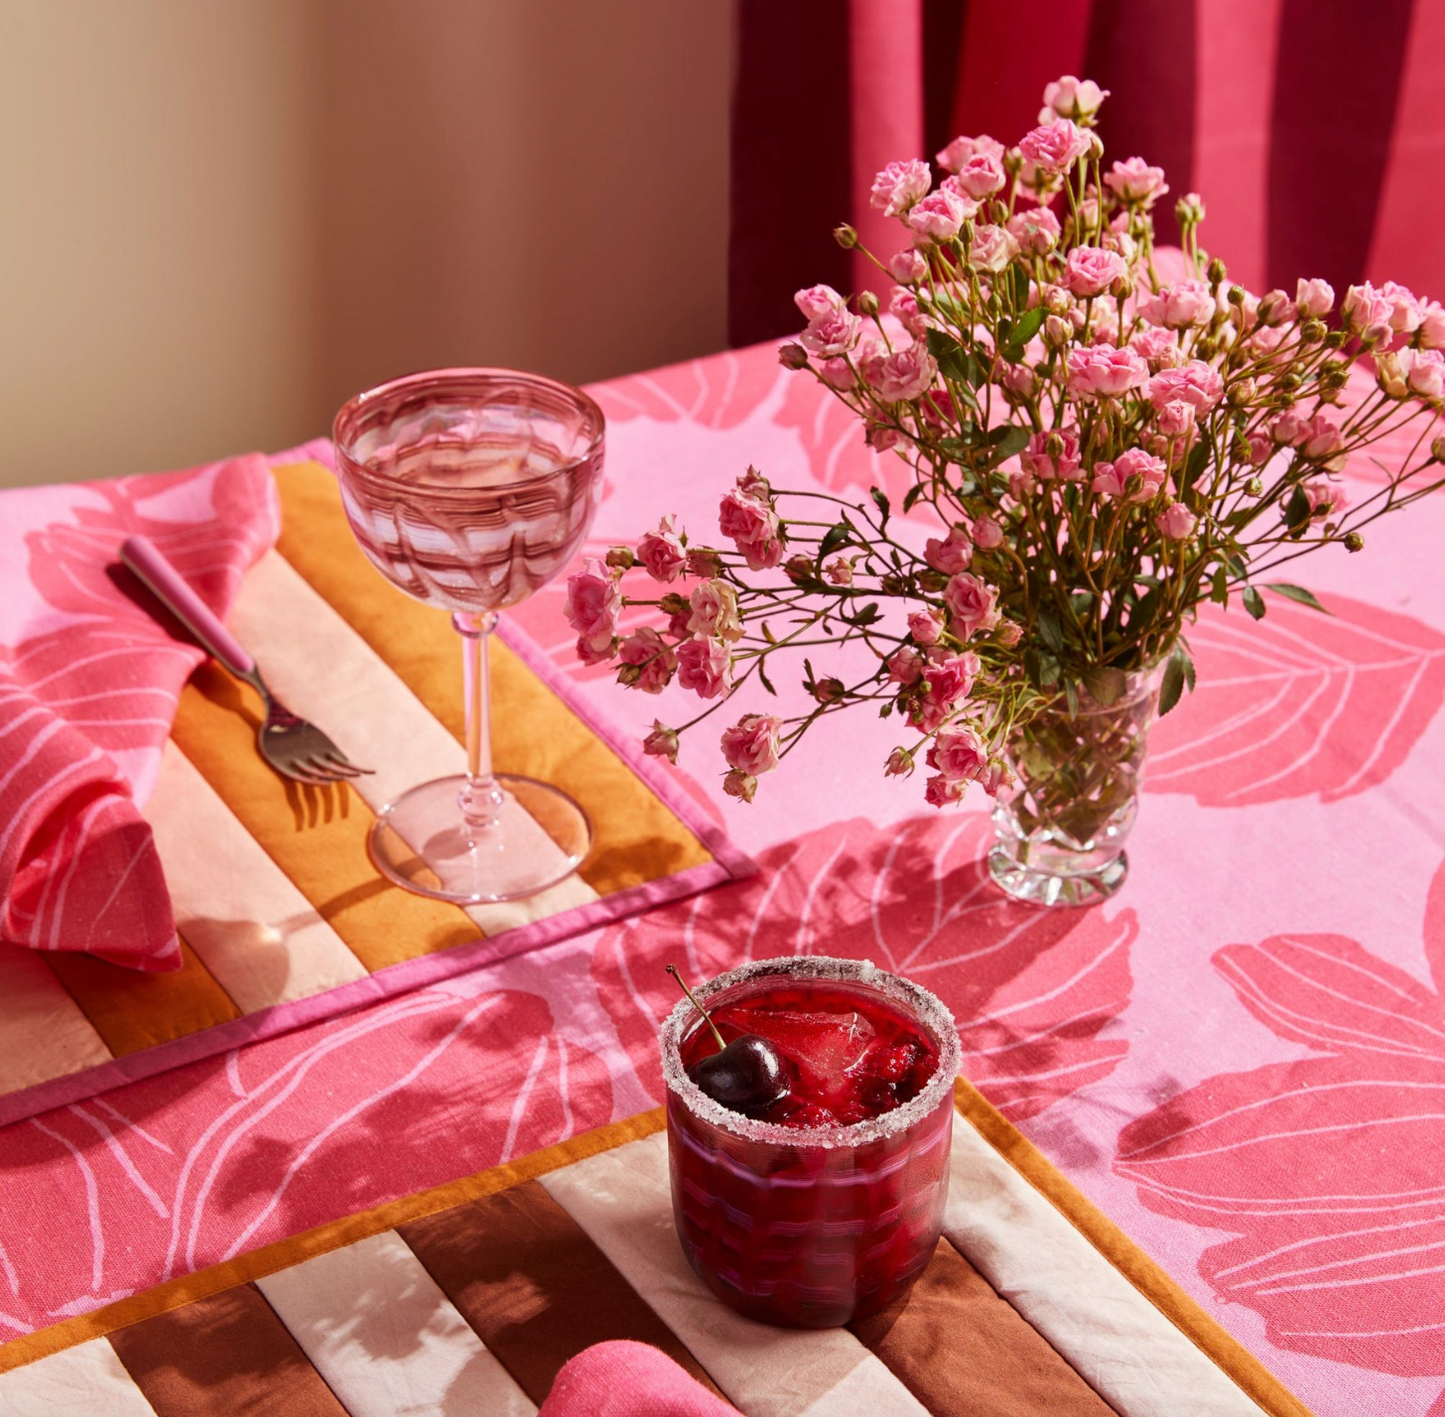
(1031, 990)
(1328, 1170)
(719, 392)
(1298, 704)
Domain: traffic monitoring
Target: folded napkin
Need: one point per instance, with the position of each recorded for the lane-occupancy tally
(89, 682)
(622, 1378)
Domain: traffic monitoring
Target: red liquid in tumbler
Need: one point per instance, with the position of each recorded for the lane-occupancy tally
(806, 1235)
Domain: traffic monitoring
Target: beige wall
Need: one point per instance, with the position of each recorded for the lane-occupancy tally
(220, 217)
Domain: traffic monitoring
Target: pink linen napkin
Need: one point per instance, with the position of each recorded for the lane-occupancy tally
(622, 1378)
(89, 683)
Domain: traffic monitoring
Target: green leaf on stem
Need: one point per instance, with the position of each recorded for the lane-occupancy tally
(1048, 625)
(764, 680)
(912, 496)
(1071, 697)
(1297, 512)
(1021, 288)
(880, 500)
(1219, 592)
(1296, 592)
(1007, 439)
(837, 535)
(1254, 602)
(1028, 326)
(1105, 684)
(1178, 672)
(866, 616)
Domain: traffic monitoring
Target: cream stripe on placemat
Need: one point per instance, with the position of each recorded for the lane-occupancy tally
(85, 1381)
(245, 919)
(43, 1033)
(326, 672)
(622, 1200)
(1127, 1351)
(386, 1339)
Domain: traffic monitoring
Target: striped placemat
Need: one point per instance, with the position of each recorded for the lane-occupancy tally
(282, 917)
(470, 1297)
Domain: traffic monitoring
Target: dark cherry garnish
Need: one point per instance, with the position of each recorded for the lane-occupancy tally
(746, 1075)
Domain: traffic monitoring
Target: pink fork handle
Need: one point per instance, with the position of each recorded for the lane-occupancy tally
(167, 584)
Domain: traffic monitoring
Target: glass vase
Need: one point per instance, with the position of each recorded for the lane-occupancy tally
(1060, 830)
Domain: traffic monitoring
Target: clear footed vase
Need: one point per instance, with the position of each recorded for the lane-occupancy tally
(1060, 830)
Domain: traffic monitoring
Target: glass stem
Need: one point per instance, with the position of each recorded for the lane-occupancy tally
(482, 798)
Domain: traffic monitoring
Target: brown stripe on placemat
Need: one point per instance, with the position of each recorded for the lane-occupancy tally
(131, 1009)
(316, 835)
(1132, 1262)
(532, 1284)
(958, 1347)
(534, 732)
(220, 1356)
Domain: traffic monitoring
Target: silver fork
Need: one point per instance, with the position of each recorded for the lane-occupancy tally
(295, 748)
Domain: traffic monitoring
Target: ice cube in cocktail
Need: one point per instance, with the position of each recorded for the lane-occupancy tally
(823, 1204)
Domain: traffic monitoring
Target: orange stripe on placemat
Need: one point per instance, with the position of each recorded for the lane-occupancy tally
(188, 1288)
(1132, 1262)
(316, 835)
(533, 731)
(132, 1010)
(958, 1347)
(532, 1284)
(220, 1356)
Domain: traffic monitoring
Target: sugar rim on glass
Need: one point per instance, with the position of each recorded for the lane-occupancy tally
(928, 1010)
(354, 407)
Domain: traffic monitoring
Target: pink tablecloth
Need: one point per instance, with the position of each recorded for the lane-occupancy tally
(1241, 1058)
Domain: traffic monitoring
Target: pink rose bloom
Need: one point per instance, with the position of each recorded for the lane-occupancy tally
(1322, 436)
(981, 176)
(837, 374)
(832, 333)
(1196, 383)
(1432, 324)
(1136, 181)
(1424, 371)
(1037, 230)
(742, 785)
(1159, 347)
(905, 665)
(1038, 462)
(938, 216)
(957, 153)
(661, 553)
(751, 744)
(925, 627)
(1112, 479)
(715, 611)
(907, 374)
(899, 186)
(1176, 419)
(904, 305)
(900, 763)
(1008, 634)
(1175, 522)
(1019, 379)
(705, 666)
(954, 188)
(940, 792)
(883, 331)
(951, 555)
(1091, 270)
(1261, 448)
(1101, 371)
(1055, 147)
(1180, 306)
(753, 526)
(949, 683)
(986, 533)
(1325, 498)
(1368, 313)
(818, 300)
(593, 604)
(646, 648)
(908, 267)
(1289, 427)
(994, 777)
(702, 562)
(661, 742)
(881, 439)
(1072, 98)
(838, 571)
(600, 652)
(970, 604)
(992, 249)
(958, 753)
(1404, 308)
(1314, 298)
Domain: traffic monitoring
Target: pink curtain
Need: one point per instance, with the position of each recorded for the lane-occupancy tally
(1315, 129)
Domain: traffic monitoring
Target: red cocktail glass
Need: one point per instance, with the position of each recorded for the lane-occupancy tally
(810, 1226)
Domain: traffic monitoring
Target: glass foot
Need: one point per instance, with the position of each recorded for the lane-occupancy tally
(422, 842)
(1035, 886)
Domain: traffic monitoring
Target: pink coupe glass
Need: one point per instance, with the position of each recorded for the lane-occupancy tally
(468, 489)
